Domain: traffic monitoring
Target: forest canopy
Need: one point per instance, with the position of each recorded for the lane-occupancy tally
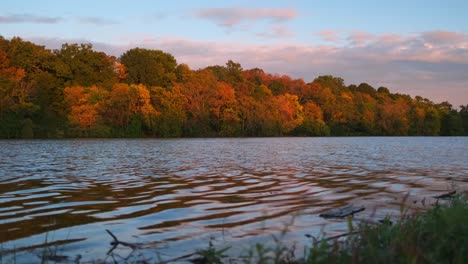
(76, 91)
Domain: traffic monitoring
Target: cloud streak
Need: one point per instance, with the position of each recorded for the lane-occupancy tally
(231, 17)
(96, 21)
(28, 18)
(329, 35)
(277, 32)
(443, 37)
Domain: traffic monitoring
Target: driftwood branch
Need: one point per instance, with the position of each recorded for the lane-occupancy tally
(342, 211)
(332, 237)
(117, 242)
(178, 258)
(341, 235)
(446, 195)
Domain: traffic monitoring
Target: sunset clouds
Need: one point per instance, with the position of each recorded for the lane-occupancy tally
(234, 16)
(400, 45)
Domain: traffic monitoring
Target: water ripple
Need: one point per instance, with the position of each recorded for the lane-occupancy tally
(178, 191)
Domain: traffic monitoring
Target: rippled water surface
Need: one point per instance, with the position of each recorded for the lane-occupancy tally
(174, 196)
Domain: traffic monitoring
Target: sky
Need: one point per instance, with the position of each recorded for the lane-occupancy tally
(411, 47)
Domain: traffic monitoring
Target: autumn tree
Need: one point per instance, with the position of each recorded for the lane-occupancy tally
(392, 117)
(149, 67)
(171, 106)
(312, 124)
(17, 105)
(231, 73)
(81, 65)
(223, 110)
(130, 111)
(284, 115)
(83, 112)
(199, 91)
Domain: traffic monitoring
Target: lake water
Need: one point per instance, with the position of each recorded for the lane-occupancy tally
(174, 196)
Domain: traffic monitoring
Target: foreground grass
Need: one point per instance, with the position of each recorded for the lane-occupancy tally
(439, 235)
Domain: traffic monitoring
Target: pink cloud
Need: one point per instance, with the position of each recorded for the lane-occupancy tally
(277, 31)
(390, 39)
(443, 37)
(359, 38)
(329, 35)
(96, 21)
(233, 16)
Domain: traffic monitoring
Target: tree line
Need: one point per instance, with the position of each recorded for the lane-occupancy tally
(76, 91)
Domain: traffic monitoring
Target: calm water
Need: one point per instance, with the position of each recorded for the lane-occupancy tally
(174, 196)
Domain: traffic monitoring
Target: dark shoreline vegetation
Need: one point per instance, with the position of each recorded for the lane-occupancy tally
(437, 233)
(78, 92)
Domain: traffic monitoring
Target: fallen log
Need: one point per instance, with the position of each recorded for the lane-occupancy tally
(342, 211)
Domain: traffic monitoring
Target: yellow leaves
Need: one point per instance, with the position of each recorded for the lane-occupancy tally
(261, 92)
(140, 101)
(127, 100)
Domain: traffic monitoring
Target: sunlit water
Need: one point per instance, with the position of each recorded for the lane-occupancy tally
(174, 196)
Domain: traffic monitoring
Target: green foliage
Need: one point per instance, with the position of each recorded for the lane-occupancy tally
(27, 129)
(231, 73)
(81, 65)
(464, 117)
(363, 88)
(312, 128)
(134, 128)
(334, 83)
(452, 124)
(149, 67)
(383, 90)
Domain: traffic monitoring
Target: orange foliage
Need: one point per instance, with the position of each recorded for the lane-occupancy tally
(84, 116)
(83, 113)
(223, 97)
(128, 100)
(287, 111)
(394, 117)
(12, 73)
(120, 70)
(312, 111)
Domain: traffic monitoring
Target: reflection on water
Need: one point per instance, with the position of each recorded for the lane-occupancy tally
(182, 192)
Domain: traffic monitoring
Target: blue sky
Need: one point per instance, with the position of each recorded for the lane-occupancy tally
(413, 47)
